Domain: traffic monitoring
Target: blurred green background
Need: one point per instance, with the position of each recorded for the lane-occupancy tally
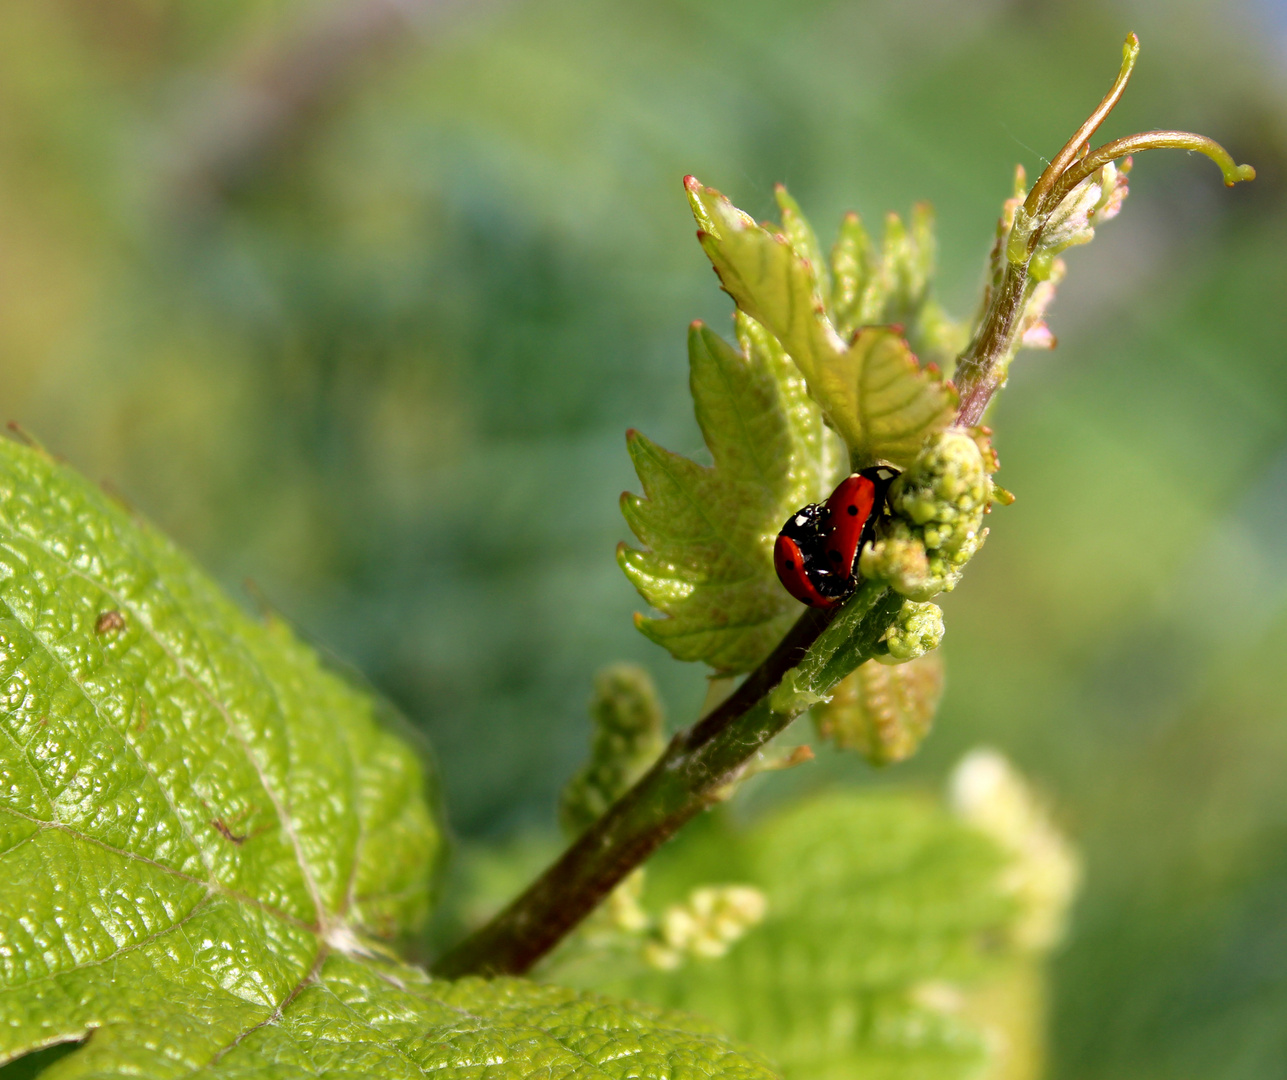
(356, 301)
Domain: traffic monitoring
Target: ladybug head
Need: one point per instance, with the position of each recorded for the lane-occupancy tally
(880, 474)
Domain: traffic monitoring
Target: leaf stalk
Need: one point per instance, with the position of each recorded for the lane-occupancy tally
(981, 370)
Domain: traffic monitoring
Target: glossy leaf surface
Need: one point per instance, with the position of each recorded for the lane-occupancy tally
(869, 384)
(201, 829)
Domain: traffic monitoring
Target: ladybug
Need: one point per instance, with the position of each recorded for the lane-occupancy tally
(815, 552)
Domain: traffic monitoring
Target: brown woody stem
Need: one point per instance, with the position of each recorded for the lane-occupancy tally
(818, 651)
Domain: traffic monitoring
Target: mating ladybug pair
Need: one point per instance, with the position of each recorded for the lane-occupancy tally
(815, 552)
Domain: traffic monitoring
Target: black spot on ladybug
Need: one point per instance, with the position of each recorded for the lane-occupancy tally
(834, 556)
(789, 564)
(853, 510)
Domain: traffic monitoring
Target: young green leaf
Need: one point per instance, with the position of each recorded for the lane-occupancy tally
(200, 828)
(709, 531)
(180, 781)
(871, 387)
(854, 278)
(894, 288)
(800, 235)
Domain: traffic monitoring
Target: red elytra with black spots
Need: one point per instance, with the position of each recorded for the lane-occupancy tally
(815, 552)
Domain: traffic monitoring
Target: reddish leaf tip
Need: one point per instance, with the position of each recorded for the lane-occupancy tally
(691, 183)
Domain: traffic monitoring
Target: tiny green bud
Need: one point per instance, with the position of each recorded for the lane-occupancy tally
(706, 925)
(789, 697)
(938, 505)
(883, 712)
(624, 908)
(900, 560)
(918, 630)
(628, 737)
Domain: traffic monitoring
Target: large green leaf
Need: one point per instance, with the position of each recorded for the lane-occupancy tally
(362, 1019)
(709, 531)
(885, 915)
(873, 390)
(201, 828)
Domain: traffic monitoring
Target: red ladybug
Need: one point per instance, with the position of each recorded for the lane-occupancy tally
(815, 552)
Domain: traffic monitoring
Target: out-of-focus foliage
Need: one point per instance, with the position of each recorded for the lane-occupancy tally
(387, 373)
(883, 711)
(629, 735)
(888, 925)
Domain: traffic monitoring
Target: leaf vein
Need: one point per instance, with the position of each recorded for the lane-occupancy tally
(132, 947)
(212, 885)
(90, 700)
(322, 953)
(286, 823)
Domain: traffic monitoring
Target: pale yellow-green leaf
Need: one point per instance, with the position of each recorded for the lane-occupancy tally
(708, 531)
(872, 389)
(879, 399)
(800, 234)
